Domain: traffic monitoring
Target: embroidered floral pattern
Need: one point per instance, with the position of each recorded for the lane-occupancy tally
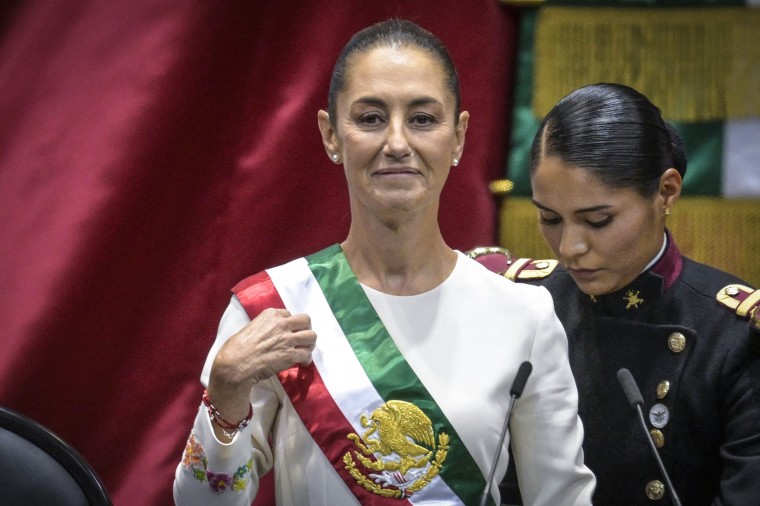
(195, 461)
(219, 482)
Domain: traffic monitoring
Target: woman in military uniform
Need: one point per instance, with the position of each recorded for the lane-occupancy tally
(606, 171)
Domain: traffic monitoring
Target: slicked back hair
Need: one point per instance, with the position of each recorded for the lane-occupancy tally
(615, 133)
(392, 33)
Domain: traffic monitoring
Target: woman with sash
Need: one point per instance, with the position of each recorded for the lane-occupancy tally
(606, 172)
(374, 371)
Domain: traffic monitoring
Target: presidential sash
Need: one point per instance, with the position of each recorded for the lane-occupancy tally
(360, 400)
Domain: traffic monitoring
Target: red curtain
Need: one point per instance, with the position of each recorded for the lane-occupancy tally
(154, 152)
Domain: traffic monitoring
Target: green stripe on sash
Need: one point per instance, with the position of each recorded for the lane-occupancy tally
(386, 367)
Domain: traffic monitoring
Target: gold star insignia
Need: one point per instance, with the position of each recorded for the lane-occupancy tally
(632, 299)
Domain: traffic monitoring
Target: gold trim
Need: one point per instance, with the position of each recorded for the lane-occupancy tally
(748, 303)
(498, 259)
(754, 317)
(540, 269)
(514, 269)
(727, 295)
(490, 250)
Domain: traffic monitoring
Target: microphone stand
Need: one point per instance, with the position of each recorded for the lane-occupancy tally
(518, 385)
(635, 399)
(487, 490)
(671, 489)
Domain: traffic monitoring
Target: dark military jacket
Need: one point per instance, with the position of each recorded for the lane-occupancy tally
(697, 365)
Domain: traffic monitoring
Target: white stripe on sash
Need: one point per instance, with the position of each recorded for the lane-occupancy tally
(343, 375)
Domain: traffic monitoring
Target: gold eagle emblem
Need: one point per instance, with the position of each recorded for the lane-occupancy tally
(398, 450)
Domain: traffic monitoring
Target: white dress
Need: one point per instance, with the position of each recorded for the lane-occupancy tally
(464, 340)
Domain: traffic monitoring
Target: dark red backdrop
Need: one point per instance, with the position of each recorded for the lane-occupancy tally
(152, 153)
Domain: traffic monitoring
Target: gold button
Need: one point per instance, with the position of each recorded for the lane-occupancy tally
(676, 342)
(655, 490)
(657, 437)
(663, 388)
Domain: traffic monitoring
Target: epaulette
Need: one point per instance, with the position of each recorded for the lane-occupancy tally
(743, 300)
(527, 268)
(494, 259)
(502, 261)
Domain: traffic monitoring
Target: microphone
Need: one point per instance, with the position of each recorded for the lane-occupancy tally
(635, 399)
(518, 385)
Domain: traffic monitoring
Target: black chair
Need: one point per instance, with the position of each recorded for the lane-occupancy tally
(39, 468)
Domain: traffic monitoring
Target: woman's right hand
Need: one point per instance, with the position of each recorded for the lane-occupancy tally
(273, 341)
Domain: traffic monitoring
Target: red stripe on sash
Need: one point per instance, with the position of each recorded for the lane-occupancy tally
(307, 392)
(257, 293)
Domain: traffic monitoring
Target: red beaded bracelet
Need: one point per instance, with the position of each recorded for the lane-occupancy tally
(217, 418)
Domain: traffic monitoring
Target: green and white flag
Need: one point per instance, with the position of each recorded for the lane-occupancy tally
(698, 64)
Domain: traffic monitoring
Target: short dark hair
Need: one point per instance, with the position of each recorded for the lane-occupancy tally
(614, 132)
(390, 33)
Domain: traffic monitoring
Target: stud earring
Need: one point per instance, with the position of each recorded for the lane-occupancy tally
(335, 157)
(455, 162)
(667, 211)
